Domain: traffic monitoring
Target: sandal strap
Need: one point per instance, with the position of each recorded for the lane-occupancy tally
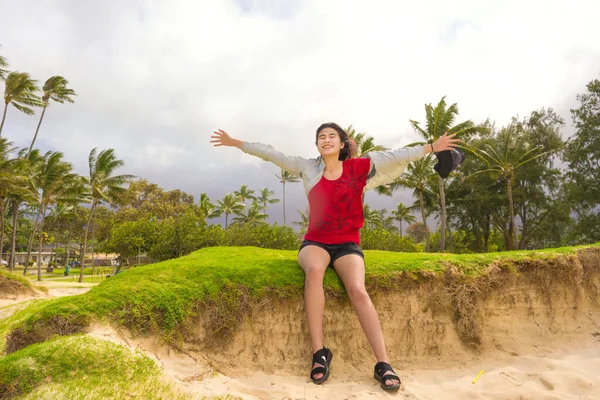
(322, 356)
(389, 376)
(382, 367)
(318, 370)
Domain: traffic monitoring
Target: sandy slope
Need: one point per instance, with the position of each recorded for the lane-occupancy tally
(553, 370)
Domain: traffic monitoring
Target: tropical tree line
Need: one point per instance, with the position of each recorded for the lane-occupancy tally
(35, 186)
(521, 186)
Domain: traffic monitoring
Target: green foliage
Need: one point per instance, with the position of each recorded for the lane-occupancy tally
(418, 232)
(206, 209)
(230, 204)
(264, 235)
(142, 199)
(303, 223)
(3, 63)
(131, 237)
(364, 143)
(254, 216)
(381, 239)
(583, 158)
(21, 91)
(264, 199)
(55, 88)
(245, 194)
(181, 234)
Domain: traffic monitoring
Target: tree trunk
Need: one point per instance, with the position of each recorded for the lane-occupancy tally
(67, 250)
(30, 245)
(85, 235)
(511, 212)
(39, 277)
(443, 221)
(486, 233)
(283, 202)
(13, 239)
(450, 247)
(226, 219)
(524, 232)
(93, 241)
(53, 253)
(427, 244)
(475, 224)
(1, 227)
(36, 131)
(3, 118)
(400, 226)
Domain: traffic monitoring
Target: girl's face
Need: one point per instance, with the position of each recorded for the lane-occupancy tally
(328, 142)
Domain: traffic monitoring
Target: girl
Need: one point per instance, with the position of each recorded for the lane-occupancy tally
(334, 183)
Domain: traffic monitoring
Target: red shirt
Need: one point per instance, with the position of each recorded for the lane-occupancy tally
(336, 211)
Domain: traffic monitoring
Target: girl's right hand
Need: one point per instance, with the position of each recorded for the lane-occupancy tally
(222, 138)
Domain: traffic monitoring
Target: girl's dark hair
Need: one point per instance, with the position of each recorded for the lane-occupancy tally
(346, 152)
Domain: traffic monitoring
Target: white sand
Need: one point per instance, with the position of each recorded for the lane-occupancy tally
(552, 372)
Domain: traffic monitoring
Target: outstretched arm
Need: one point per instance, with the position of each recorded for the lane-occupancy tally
(388, 165)
(294, 165)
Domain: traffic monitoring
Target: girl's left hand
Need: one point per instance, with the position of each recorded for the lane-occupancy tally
(445, 142)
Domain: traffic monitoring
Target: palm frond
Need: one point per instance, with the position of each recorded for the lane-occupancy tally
(418, 128)
(534, 157)
(23, 109)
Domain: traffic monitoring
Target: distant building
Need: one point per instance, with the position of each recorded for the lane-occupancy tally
(49, 254)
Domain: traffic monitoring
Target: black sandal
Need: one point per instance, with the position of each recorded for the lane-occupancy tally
(380, 369)
(322, 357)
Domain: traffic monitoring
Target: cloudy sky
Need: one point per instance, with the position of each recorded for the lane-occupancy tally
(155, 78)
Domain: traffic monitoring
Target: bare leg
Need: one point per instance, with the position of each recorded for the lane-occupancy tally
(351, 269)
(314, 261)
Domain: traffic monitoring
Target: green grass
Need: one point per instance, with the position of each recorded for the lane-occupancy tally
(17, 278)
(160, 297)
(80, 367)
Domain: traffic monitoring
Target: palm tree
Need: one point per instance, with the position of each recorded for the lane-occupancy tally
(25, 192)
(54, 181)
(304, 223)
(245, 194)
(372, 218)
(364, 143)
(56, 89)
(508, 152)
(63, 214)
(207, 209)
(74, 215)
(10, 182)
(402, 213)
(20, 90)
(439, 120)
(230, 204)
(254, 216)
(417, 177)
(283, 178)
(103, 187)
(265, 198)
(387, 223)
(3, 63)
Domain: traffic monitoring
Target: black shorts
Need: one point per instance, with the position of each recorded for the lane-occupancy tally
(336, 250)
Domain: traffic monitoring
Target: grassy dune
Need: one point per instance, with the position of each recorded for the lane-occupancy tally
(76, 367)
(223, 282)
